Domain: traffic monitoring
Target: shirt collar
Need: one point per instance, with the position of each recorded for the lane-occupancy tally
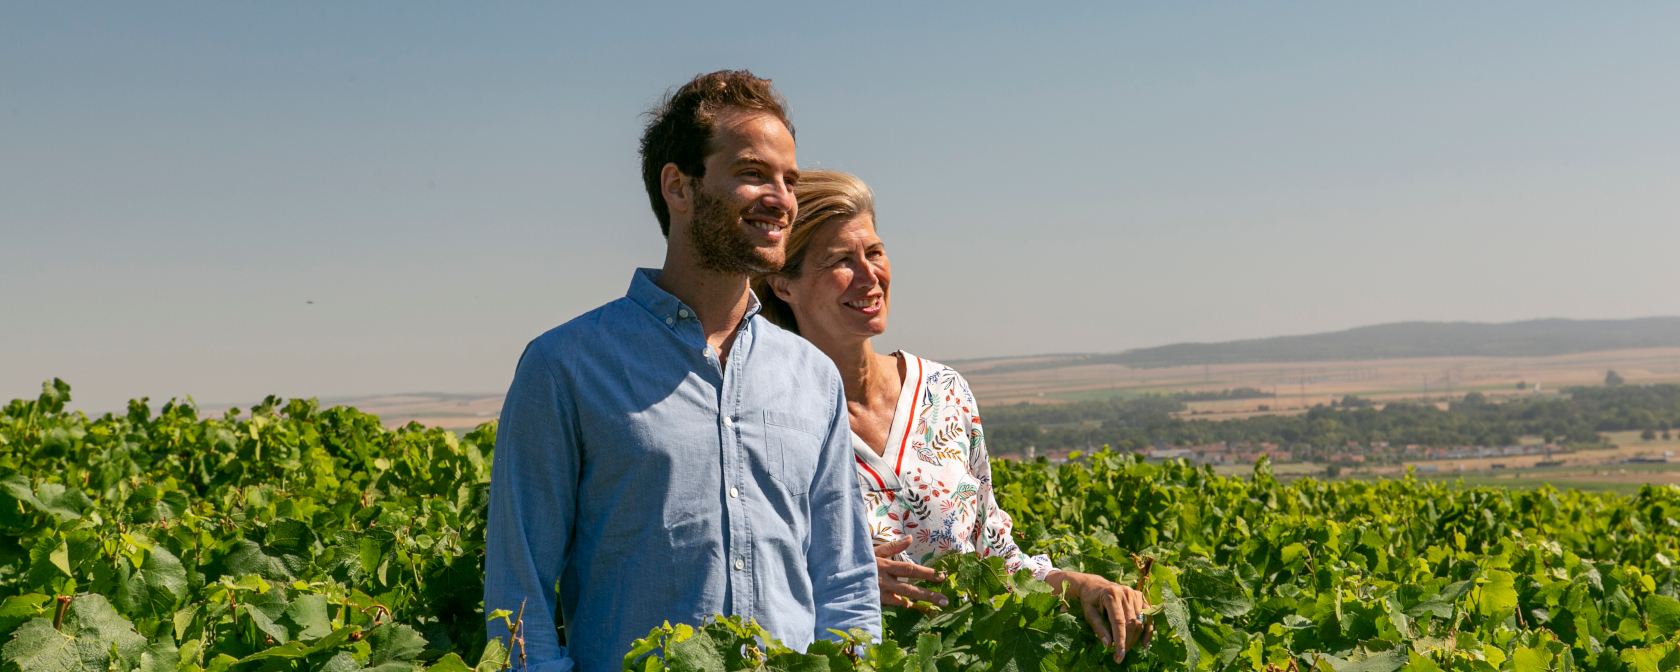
(664, 306)
(753, 306)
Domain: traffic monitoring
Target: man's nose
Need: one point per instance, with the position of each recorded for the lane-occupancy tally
(781, 198)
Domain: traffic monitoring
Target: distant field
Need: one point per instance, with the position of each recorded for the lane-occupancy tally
(1596, 470)
(1299, 386)
(449, 411)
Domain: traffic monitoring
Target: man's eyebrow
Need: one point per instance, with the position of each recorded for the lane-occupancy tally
(792, 175)
(749, 158)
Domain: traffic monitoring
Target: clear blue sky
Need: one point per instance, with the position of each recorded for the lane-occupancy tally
(447, 181)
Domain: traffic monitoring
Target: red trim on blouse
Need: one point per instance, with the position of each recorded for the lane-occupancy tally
(915, 400)
(865, 466)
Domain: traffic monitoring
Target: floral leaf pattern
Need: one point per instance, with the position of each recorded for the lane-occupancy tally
(944, 501)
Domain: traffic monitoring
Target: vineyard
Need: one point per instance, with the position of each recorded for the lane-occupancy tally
(298, 538)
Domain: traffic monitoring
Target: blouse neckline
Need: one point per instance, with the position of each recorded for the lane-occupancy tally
(886, 468)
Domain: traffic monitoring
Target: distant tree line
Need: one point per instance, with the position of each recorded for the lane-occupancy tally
(1576, 417)
(1221, 395)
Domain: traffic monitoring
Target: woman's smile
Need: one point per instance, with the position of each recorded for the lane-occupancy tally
(869, 305)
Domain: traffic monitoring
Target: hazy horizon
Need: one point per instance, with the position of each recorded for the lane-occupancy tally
(444, 183)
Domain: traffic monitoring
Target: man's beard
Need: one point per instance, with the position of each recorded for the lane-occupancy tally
(720, 244)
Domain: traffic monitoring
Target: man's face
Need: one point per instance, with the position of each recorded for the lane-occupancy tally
(741, 210)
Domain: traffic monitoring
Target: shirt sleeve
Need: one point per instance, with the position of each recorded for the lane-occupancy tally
(996, 531)
(840, 559)
(533, 486)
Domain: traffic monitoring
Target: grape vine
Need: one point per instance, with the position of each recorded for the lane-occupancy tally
(298, 538)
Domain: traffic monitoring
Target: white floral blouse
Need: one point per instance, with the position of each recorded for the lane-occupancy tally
(934, 483)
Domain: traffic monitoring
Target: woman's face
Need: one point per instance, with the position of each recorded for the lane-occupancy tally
(842, 291)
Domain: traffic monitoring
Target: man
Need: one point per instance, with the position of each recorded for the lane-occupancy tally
(671, 455)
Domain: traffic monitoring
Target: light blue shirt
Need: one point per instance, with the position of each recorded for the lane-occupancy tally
(651, 484)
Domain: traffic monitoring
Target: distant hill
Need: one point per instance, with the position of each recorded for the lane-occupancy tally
(1531, 338)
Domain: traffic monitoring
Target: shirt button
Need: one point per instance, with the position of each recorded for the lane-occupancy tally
(734, 493)
(682, 313)
(728, 421)
(668, 320)
(740, 565)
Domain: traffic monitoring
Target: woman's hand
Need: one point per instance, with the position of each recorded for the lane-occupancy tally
(893, 574)
(1114, 611)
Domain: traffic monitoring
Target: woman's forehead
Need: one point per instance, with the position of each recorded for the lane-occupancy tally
(859, 229)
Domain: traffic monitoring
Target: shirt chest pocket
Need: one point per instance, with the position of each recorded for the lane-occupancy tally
(794, 446)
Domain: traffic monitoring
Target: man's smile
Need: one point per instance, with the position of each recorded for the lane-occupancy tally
(773, 229)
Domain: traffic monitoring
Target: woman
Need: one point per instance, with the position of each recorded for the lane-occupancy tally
(921, 454)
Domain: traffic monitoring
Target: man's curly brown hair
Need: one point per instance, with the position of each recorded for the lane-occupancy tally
(680, 127)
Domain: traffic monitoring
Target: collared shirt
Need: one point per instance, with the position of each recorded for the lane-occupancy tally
(934, 484)
(652, 484)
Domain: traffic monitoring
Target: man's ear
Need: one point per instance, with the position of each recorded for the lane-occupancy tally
(782, 288)
(673, 185)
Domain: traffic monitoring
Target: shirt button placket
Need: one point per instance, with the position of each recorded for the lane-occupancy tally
(739, 525)
(731, 452)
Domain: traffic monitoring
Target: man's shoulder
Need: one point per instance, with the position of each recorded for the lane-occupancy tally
(798, 353)
(585, 330)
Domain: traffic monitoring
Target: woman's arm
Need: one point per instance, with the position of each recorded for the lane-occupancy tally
(1115, 612)
(995, 531)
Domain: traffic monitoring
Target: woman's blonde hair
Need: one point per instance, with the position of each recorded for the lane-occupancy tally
(824, 196)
